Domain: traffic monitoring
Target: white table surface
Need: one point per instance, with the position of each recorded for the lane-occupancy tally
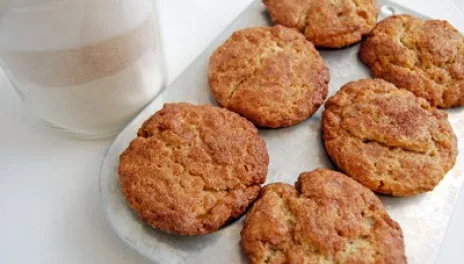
(50, 209)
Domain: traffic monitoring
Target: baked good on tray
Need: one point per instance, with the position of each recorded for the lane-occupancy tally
(326, 23)
(424, 56)
(272, 76)
(388, 139)
(192, 169)
(326, 218)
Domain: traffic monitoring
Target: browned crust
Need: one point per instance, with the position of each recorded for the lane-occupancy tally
(326, 23)
(272, 76)
(387, 139)
(326, 218)
(425, 57)
(193, 168)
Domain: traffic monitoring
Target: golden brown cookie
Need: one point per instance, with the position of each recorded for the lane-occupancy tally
(326, 218)
(326, 23)
(388, 139)
(270, 75)
(425, 57)
(192, 169)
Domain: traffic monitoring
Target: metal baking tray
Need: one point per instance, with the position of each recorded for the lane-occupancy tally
(423, 218)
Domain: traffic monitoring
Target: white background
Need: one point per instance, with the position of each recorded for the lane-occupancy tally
(50, 210)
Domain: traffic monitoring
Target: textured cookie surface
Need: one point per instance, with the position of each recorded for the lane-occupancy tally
(193, 168)
(425, 57)
(272, 76)
(326, 23)
(388, 139)
(326, 218)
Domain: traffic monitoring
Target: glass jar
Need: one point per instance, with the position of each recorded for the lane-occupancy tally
(83, 67)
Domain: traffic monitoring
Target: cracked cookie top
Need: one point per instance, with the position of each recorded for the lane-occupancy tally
(326, 218)
(272, 76)
(192, 169)
(425, 57)
(388, 139)
(326, 23)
